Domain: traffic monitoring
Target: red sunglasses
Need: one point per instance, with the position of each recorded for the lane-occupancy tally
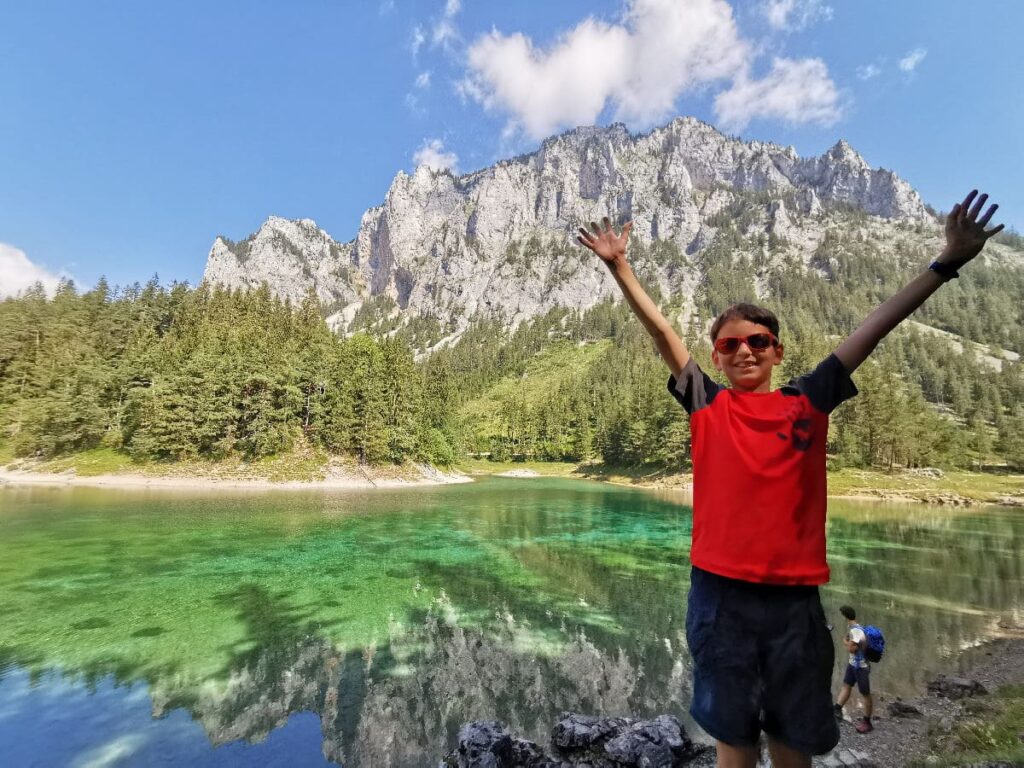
(756, 341)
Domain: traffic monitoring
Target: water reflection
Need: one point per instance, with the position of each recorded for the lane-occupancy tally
(402, 703)
(501, 600)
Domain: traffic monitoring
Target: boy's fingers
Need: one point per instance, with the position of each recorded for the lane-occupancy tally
(953, 213)
(995, 230)
(586, 235)
(593, 226)
(966, 204)
(627, 228)
(607, 224)
(988, 214)
(978, 205)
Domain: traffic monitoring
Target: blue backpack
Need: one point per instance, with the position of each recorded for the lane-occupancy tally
(875, 645)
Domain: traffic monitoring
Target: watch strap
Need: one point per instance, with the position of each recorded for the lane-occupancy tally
(946, 271)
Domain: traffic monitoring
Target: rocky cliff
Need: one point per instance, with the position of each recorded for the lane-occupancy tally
(501, 239)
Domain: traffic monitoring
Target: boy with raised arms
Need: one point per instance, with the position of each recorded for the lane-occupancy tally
(762, 650)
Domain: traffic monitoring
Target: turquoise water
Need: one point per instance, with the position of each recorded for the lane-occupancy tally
(363, 628)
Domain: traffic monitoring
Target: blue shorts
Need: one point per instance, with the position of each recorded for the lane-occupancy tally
(858, 676)
(762, 661)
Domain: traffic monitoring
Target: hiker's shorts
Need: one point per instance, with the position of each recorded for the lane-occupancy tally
(762, 661)
(859, 676)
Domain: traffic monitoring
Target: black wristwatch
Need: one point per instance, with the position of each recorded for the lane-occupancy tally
(946, 271)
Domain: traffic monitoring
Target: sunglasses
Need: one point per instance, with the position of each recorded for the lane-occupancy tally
(756, 341)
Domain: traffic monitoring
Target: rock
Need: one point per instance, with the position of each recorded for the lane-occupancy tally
(956, 687)
(486, 744)
(845, 758)
(657, 742)
(932, 472)
(902, 709)
(578, 741)
(574, 731)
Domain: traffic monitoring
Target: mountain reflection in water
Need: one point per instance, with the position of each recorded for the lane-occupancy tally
(403, 702)
(288, 626)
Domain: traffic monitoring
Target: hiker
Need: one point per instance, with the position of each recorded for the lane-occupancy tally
(762, 650)
(858, 671)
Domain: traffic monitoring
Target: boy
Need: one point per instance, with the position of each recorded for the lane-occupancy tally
(762, 651)
(857, 670)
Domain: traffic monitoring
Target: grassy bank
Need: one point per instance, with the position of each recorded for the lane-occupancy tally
(989, 733)
(981, 487)
(947, 487)
(304, 464)
(307, 464)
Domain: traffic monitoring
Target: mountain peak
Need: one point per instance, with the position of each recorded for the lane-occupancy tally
(500, 238)
(842, 152)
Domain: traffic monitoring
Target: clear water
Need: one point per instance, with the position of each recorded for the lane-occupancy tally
(362, 628)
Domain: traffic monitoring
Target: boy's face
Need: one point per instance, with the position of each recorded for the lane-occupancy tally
(748, 370)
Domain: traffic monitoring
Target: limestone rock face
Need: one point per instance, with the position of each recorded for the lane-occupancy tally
(292, 257)
(502, 239)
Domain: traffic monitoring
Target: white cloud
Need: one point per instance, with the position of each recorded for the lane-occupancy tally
(639, 68)
(444, 32)
(386, 7)
(418, 39)
(17, 273)
(794, 91)
(868, 71)
(423, 80)
(794, 15)
(909, 62)
(432, 155)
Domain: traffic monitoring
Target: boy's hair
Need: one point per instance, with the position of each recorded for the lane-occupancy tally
(848, 612)
(743, 311)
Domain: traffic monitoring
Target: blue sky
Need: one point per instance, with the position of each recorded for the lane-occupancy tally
(132, 134)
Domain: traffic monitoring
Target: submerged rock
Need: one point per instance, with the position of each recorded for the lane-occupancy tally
(578, 740)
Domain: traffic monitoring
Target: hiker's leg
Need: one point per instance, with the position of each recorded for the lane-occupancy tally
(844, 695)
(787, 757)
(864, 686)
(736, 757)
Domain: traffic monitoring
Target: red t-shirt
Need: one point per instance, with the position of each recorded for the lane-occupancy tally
(759, 474)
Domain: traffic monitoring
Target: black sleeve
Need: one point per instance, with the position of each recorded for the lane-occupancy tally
(827, 386)
(694, 389)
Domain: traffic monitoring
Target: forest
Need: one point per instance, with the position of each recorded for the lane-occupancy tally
(164, 373)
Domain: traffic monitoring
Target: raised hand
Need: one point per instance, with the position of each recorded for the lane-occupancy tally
(604, 242)
(965, 232)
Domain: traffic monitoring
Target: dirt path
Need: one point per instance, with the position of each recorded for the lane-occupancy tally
(898, 740)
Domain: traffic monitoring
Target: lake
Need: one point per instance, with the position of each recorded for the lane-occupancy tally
(363, 628)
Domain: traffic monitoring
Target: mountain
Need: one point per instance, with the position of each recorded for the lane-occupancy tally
(501, 240)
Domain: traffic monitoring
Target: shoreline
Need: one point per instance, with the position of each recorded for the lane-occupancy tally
(868, 487)
(335, 481)
(924, 729)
